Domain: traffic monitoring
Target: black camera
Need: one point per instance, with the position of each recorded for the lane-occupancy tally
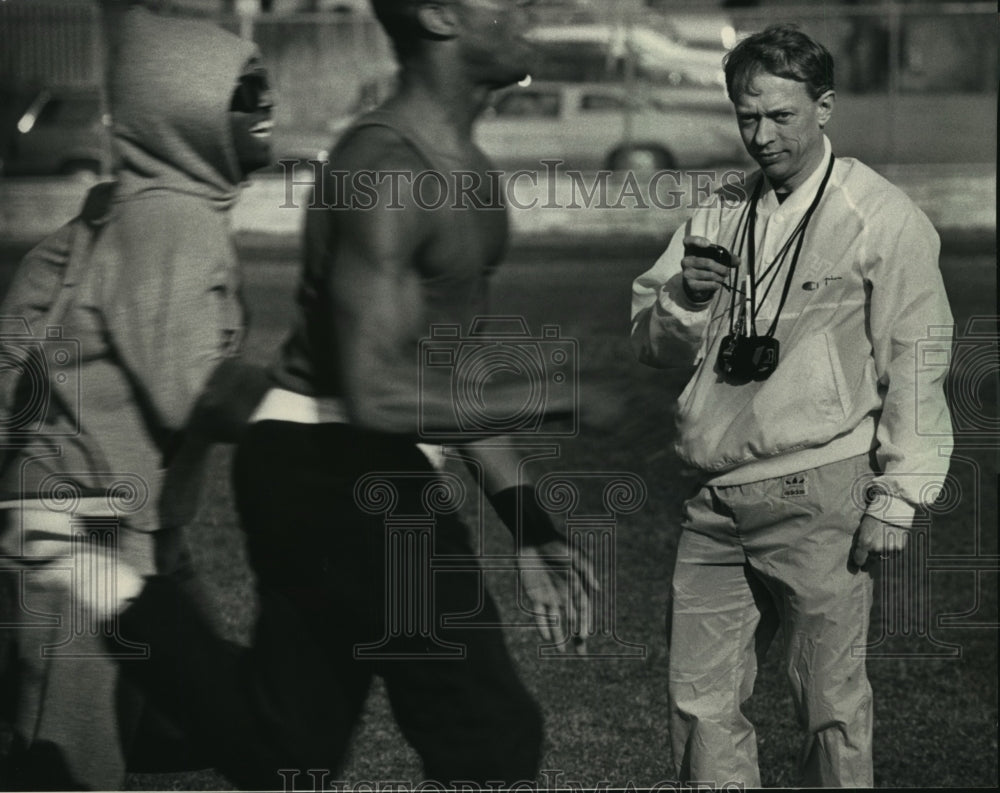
(714, 252)
(745, 358)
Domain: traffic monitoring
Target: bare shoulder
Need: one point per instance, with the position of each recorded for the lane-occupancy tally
(376, 148)
(375, 215)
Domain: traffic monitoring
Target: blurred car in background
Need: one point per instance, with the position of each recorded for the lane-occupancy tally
(589, 51)
(706, 28)
(55, 131)
(593, 125)
(604, 125)
(701, 30)
(61, 131)
(617, 52)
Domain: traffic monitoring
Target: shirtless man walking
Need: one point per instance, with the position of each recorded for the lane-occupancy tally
(349, 398)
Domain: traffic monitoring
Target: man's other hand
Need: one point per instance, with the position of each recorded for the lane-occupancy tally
(878, 537)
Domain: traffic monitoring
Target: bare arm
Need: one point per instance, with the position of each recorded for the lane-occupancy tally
(374, 291)
(556, 580)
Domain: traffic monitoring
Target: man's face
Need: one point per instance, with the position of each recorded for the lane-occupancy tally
(782, 128)
(492, 39)
(250, 119)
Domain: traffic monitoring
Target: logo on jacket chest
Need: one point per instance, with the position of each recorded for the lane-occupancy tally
(811, 286)
(817, 272)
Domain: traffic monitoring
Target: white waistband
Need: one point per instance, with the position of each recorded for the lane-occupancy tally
(32, 529)
(37, 510)
(280, 404)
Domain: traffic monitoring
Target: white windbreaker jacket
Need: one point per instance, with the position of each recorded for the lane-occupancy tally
(865, 340)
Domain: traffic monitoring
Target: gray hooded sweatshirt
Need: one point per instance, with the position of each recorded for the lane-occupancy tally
(155, 307)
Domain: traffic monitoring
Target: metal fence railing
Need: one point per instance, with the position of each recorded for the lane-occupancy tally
(899, 47)
(47, 43)
(894, 59)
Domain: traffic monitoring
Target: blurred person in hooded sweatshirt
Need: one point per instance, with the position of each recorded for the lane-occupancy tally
(134, 309)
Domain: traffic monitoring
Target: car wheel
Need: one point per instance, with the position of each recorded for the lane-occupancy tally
(641, 159)
(86, 171)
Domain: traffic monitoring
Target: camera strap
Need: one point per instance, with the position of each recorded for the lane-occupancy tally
(739, 242)
(797, 237)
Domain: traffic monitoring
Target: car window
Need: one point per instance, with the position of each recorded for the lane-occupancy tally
(68, 111)
(705, 104)
(602, 102)
(528, 104)
(577, 62)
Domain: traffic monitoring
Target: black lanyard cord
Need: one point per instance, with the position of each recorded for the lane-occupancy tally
(799, 235)
(779, 257)
(733, 275)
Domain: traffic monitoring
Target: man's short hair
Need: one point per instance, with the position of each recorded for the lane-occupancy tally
(399, 20)
(784, 51)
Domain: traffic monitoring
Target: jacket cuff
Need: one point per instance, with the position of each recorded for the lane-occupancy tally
(691, 300)
(889, 508)
(672, 303)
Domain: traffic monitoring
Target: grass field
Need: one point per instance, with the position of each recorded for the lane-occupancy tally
(936, 715)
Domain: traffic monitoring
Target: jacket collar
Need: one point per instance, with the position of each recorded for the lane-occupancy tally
(798, 200)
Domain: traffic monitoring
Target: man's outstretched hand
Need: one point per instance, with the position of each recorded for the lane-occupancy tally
(557, 584)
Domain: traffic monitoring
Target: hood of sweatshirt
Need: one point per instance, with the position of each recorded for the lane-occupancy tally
(170, 83)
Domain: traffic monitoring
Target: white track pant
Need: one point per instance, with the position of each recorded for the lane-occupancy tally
(753, 557)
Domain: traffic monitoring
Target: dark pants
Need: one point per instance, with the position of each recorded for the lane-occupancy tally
(79, 698)
(206, 707)
(347, 593)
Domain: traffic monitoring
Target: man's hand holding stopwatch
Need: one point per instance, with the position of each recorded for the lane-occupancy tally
(705, 268)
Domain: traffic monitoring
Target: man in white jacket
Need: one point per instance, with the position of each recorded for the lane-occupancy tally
(801, 418)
